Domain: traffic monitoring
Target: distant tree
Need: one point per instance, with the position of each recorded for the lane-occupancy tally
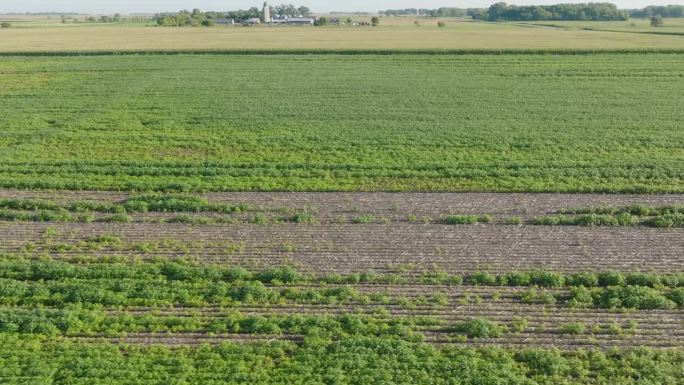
(657, 21)
(657, 10)
(321, 21)
(349, 20)
(117, 17)
(286, 10)
(5, 25)
(375, 21)
(584, 12)
(304, 11)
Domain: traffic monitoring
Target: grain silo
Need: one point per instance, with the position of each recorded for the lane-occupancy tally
(266, 13)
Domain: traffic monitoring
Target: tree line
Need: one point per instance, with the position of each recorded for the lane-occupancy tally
(655, 10)
(580, 12)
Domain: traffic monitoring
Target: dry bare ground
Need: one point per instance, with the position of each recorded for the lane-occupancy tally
(390, 243)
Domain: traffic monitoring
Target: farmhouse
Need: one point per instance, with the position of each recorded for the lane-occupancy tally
(252, 21)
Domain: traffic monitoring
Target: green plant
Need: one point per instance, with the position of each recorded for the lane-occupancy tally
(460, 219)
(303, 218)
(513, 221)
(478, 328)
(519, 324)
(259, 219)
(362, 219)
(480, 278)
(288, 247)
(573, 328)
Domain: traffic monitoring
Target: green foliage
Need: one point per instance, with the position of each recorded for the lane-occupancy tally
(580, 297)
(513, 221)
(517, 278)
(636, 297)
(321, 21)
(659, 217)
(642, 279)
(573, 328)
(451, 146)
(186, 18)
(677, 296)
(481, 278)
(519, 324)
(611, 278)
(303, 218)
(460, 219)
(282, 274)
(362, 219)
(46, 211)
(666, 221)
(547, 279)
(57, 283)
(657, 21)
(532, 295)
(592, 11)
(544, 362)
(582, 279)
(478, 328)
(350, 361)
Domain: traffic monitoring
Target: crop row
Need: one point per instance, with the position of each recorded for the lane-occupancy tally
(372, 360)
(78, 322)
(392, 205)
(19, 268)
(168, 283)
(81, 211)
(357, 248)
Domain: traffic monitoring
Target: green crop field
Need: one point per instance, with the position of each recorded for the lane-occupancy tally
(467, 204)
(573, 123)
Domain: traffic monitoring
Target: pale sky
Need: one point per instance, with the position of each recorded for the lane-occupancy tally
(152, 6)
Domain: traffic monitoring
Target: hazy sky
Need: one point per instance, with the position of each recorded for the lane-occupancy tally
(151, 6)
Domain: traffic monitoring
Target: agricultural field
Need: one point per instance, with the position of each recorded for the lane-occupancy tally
(393, 34)
(342, 216)
(670, 26)
(505, 123)
(272, 287)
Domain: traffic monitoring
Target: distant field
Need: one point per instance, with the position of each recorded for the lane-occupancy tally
(674, 26)
(344, 122)
(397, 33)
